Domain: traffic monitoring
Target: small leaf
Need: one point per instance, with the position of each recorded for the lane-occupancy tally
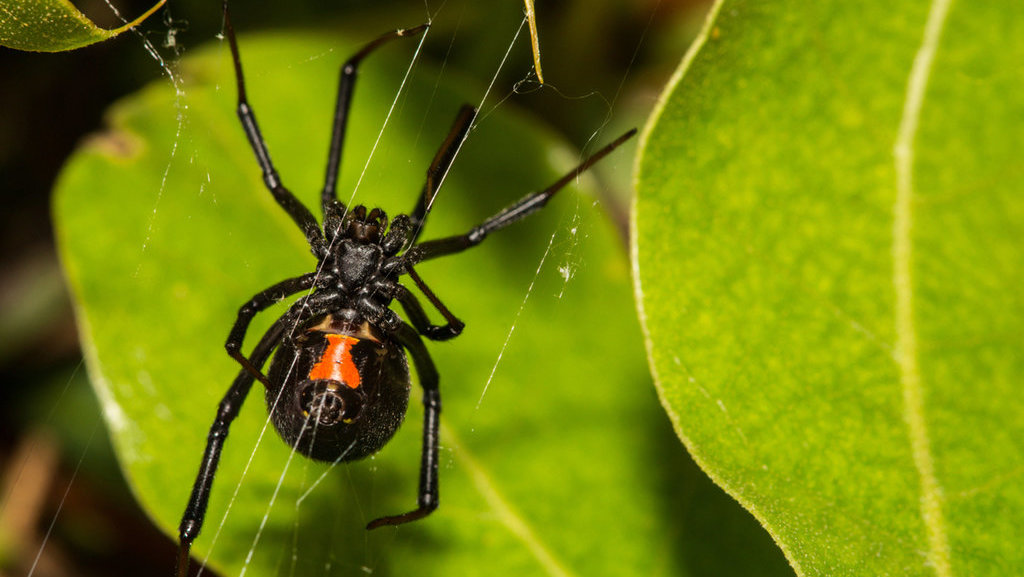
(829, 260)
(561, 462)
(54, 25)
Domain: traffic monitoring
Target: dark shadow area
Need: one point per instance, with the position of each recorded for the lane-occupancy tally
(716, 535)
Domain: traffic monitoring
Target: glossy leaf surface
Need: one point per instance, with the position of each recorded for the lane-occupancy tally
(562, 463)
(829, 260)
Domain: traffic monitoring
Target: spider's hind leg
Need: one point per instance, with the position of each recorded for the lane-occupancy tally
(428, 496)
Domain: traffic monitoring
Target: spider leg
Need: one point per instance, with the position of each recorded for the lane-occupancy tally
(517, 211)
(439, 167)
(230, 405)
(346, 83)
(418, 317)
(259, 302)
(428, 494)
(284, 197)
(195, 512)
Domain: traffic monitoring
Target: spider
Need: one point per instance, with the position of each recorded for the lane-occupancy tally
(338, 385)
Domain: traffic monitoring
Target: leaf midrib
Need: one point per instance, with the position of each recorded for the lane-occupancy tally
(502, 509)
(906, 331)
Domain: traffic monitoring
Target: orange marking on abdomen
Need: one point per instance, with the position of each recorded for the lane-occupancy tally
(336, 363)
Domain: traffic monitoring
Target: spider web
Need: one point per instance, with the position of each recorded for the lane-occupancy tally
(296, 544)
(569, 242)
(561, 245)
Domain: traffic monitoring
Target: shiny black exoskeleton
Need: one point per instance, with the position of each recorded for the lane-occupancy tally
(338, 386)
(338, 392)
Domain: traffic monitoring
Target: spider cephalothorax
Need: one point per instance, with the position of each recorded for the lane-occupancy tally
(338, 385)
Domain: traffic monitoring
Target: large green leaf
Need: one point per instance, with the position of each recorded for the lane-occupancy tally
(565, 465)
(829, 262)
(54, 25)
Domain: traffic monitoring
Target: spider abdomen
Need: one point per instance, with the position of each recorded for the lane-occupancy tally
(336, 396)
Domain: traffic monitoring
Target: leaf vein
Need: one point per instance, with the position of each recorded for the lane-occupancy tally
(938, 556)
(504, 511)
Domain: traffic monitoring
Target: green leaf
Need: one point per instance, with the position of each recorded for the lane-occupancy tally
(53, 25)
(829, 262)
(563, 463)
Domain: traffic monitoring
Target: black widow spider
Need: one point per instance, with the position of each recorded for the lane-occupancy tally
(340, 363)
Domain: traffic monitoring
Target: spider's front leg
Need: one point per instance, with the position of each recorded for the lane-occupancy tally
(284, 197)
(346, 85)
(515, 212)
(439, 168)
(428, 494)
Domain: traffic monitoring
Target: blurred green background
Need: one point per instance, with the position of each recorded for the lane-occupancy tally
(604, 61)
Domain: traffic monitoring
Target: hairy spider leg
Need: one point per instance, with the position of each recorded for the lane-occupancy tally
(346, 84)
(519, 210)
